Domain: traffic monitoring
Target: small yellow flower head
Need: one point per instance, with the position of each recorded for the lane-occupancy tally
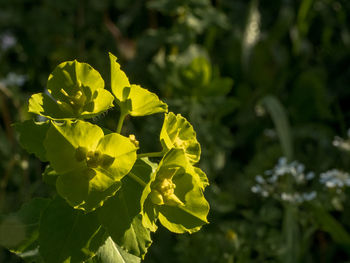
(93, 159)
(163, 193)
(133, 140)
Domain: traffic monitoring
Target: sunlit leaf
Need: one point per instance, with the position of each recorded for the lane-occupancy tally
(110, 252)
(76, 90)
(178, 132)
(175, 194)
(133, 99)
(90, 165)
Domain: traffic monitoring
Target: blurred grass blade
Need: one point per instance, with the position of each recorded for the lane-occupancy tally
(280, 119)
(330, 225)
(290, 225)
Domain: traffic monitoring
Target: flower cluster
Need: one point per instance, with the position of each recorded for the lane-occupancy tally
(343, 144)
(335, 179)
(285, 182)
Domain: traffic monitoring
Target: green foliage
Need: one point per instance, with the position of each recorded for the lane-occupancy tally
(68, 235)
(174, 194)
(102, 175)
(131, 98)
(20, 230)
(216, 63)
(77, 91)
(177, 132)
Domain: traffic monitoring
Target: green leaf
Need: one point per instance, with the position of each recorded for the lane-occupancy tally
(19, 231)
(31, 137)
(44, 105)
(133, 99)
(68, 235)
(331, 225)
(83, 181)
(148, 210)
(63, 139)
(119, 80)
(178, 132)
(182, 209)
(112, 253)
(76, 91)
(202, 177)
(50, 175)
(85, 194)
(120, 215)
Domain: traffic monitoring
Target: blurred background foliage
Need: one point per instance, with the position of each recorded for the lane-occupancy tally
(258, 80)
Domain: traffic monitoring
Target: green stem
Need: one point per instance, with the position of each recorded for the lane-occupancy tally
(137, 179)
(154, 154)
(120, 121)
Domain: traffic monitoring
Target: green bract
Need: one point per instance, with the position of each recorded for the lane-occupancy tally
(90, 165)
(109, 198)
(32, 135)
(133, 99)
(178, 132)
(175, 196)
(75, 90)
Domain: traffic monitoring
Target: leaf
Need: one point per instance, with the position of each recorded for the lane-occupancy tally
(44, 105)
(82, 193)
(187, 209)
(63, 139)
(32, 135)
(50, 175)
(148, 211)
(76, 90)
(86, 185)
(202, 176)
(133, 99)
(193, 214)
(68, 235)
(120, 214)
(112, 253)
(19, 231)
(119, 80)
(178, 132)
(332, 226)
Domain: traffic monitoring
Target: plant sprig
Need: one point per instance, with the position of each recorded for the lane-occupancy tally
(109, 197)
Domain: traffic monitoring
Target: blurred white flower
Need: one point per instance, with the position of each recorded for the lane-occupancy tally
(7, 41)
(335, 179)
(274, 183)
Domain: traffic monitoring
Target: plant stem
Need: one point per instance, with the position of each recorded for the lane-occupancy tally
(154, 154)
(137, 179)
(120, 121)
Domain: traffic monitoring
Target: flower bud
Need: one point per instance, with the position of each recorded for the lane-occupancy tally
(156, 197)
(133, 140)
(80, 154)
